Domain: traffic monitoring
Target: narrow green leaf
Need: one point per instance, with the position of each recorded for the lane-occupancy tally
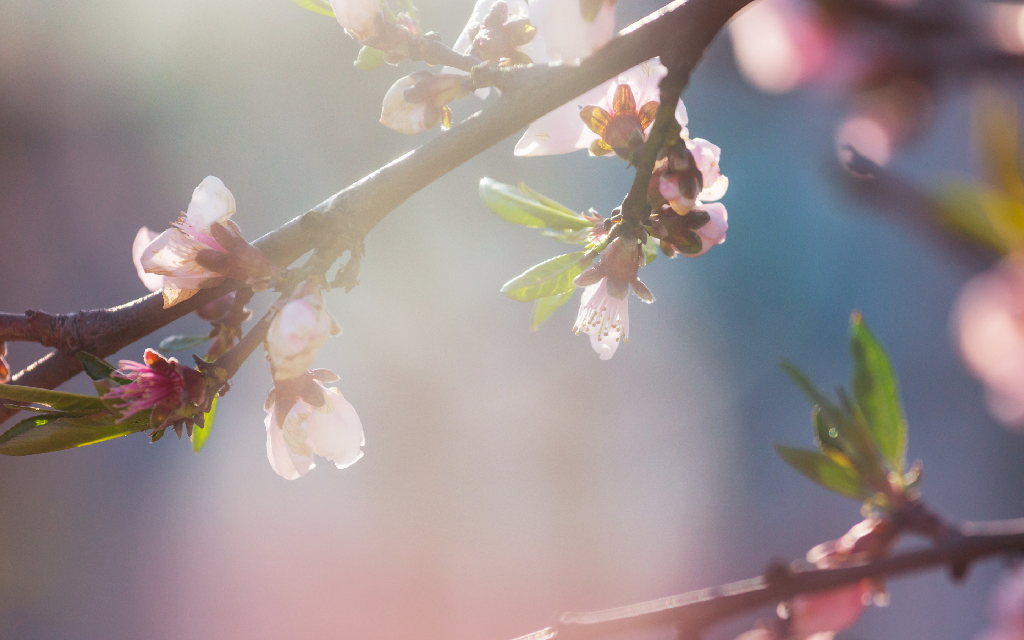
(96, 368)
(546, 201)
(567, 236)
(56, 399)
(369, 59)
(182, 343)
(316, 6)
(544, 307)
(826, 471)
(650, 249)
(53, 432)
(520, 207)
(877, 393)
(549, 278)
(199, 436)
(982, 214)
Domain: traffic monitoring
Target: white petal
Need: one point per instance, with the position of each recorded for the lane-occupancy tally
(568, 37)
(337, 434)
(682, 117)
(173, 254)
(152, 281)
(604, 318)
(174, 295)
(398, 113)
(277, 451)
(211, 202)
(712, 233)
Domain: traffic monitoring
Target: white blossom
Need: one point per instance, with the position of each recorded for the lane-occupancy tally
(604, 318)
(332, 431)
(297, 332)
(358, 17)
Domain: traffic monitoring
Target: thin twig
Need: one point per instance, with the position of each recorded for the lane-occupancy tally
(697, 610)
(535, 90)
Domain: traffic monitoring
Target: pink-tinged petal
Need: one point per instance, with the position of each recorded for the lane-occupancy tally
(560, 131)
(357, 16)
(277, 450)
(566, 35)
(401, 115)
(296, 334)
(716, 190)
(682, 118)
(335, 431)
(152, 281)
(173, 254)
(211, 202)
(828, 611)
(604, 318)
(713, 233)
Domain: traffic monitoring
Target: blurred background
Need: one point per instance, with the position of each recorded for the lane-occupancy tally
(508, 475)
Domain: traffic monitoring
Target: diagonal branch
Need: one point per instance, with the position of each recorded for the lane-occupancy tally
(681, 30)
(697, 610)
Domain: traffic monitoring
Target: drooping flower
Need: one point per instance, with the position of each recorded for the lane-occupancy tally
(319, 421)
(297, 332)
(604, 309)
(418, 102)
(614, 116)
(689, 172)
(175, 393)
(989, 321)
(358, 17)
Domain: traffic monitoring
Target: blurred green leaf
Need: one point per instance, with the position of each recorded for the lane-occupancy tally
(877, 393)
(982, 214)
(650, 249)
(369, 59)
(54, 432)
(544, 307)
(181, 343)
(523, 207)
(55, 399)
(549, 278)
(568, 236)
(316, 6)
(826, 471)
(199, 436)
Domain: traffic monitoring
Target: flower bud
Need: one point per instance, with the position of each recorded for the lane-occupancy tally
(418, 102)
(358, 17)
(500, 35)
(175, 393)
(297, 332)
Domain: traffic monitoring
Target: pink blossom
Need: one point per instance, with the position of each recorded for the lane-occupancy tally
(358, 17)
(694, 233)
(163, 385)
(297, 332)
(173, 253)
(564, 131)
(330, 429)
(989, 323)
(419, 102)
(828, 611)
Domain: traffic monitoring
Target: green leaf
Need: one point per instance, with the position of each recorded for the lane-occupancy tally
(316, 6)
(877, 393)
(55, 399)
(826, 471)
(567, 236)
(182, 343)
(521, 207)
(199, 436)
(544, 307)
(55, 432)
(650, 249)
(97, 368)
(982, 214)
(546, 201)
(549, 278)
(852, 437)
(369, 59)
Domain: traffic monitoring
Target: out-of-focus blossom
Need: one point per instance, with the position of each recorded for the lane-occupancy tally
(565, 34)
(1004, 23)
(173, 254)
(418, 102)
(5, 369)
(604, 309)
(217, 308)
(358, 17)
(327, 426)
(175, 393)
(828, 611)
(780, 44)
(989, 324)
(496, 30)
(297, 332)
(1007, 608)
(614, 116)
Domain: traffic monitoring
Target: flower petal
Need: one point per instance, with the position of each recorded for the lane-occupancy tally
(211, 202)
(152, 281)
(335, 431)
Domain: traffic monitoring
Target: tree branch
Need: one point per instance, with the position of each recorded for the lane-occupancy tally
(697, 610)
(682, 30)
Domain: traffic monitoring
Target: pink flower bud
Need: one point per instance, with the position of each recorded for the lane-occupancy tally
(297, 332)
(175, 393)
(418, 102)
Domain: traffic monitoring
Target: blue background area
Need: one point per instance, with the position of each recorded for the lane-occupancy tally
(508, 475)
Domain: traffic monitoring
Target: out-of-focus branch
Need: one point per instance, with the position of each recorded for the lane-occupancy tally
(434, 52)
(682, 29)
(895, 197)
(695, 611)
